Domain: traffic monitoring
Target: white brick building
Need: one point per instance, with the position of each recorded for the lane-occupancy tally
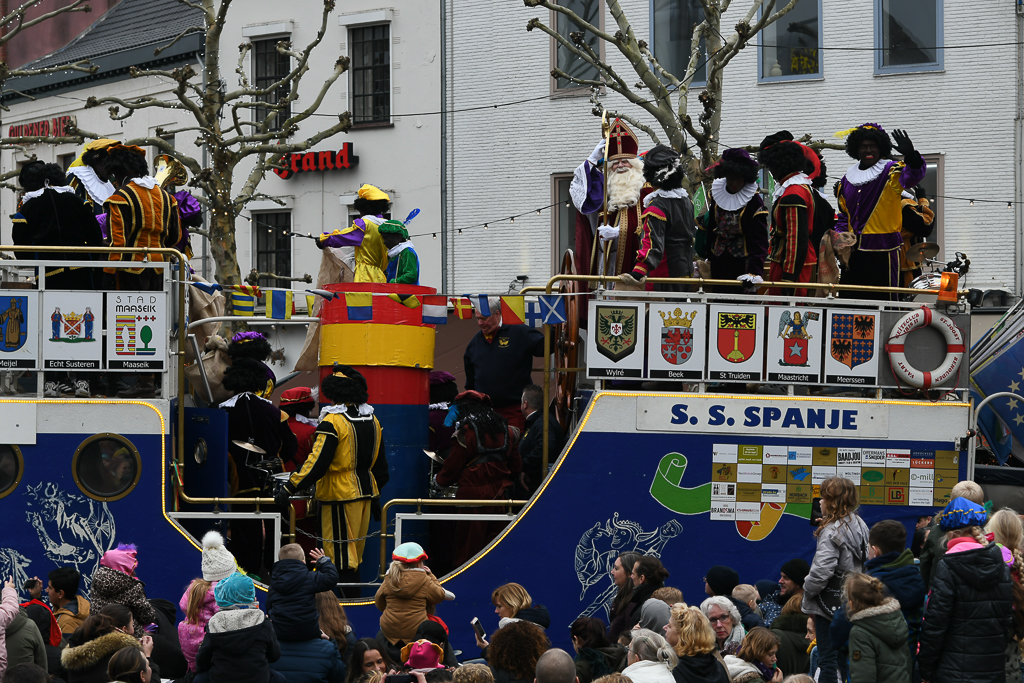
(958, 104)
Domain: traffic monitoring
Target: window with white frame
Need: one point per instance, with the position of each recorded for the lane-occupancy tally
(268, 67)
(371, 73)
(565, 60)
(908, 35)
(791, 46)
(273, 246)
(564, 215)
(672, 23)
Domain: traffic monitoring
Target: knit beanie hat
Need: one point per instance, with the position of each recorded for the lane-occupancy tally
(722, 580)
(423, 654)
(796, 569)
(409, 553)
(122, 559)
(218, 562)
(237, 589)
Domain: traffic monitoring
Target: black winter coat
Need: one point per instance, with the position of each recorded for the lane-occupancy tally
(968, 620)
(706, 668)
(747, 616)
(291, 603)
(790, 630)
(86, 662)
(239, 646)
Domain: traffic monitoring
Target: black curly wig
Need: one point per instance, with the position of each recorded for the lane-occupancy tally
(36, 174)
(345, 390)
(371, 207)
(881, 139)
(245, 374)
(256, 348)
(485, 420)
(663, 168)
(783, 159)
(445, 392)
(123, 164)
(725, 168)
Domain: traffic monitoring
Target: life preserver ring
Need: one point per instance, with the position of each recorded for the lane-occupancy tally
(925, 317)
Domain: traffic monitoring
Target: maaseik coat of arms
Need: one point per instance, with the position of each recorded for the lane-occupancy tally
(616, 328)
(677, 336)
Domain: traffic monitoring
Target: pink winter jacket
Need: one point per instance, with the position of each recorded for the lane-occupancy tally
(191, 635)
(8, 610)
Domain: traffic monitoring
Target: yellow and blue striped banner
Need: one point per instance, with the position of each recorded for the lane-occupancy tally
(279, 304)
(242, 304)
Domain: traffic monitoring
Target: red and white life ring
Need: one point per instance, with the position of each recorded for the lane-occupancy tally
(924, 317)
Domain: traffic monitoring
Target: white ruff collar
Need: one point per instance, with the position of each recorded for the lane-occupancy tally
(148, 182)
(678, 193)
(39, 193)
(399, 248)
(364, 409)
(798, 179)
(857, 176)
(234, 399)
(99, 190)
(729, 201)
(306, 420)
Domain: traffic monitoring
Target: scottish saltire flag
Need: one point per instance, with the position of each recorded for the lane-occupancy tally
(409, 300)
(552, 308)
(534, 318)
(513, 310)
(480, 303)
(208, 287)
(359, 305)
(242, 304)
(1004, 372)
(280, 304)
(435, 310)
(463, 308)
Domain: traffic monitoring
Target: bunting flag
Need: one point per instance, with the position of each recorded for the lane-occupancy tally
(480, 303)
(310, 300)
(359, 305)
(435, 310)
(250, 290)
(700, 201)
(552, 308)
(513, 310)
(534, 318)
(463, 308)
(242, 304)
(322, 292)
(280, 304)
(208, 287)
(409, 300)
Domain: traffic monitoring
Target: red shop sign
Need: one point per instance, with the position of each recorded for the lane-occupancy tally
(300, 162)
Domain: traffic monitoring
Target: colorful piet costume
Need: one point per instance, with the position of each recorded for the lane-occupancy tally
(403, 263)
(791, 254)
(371, 258)
(871, 205)
(918, 223)
(625, 205)
(733, 234)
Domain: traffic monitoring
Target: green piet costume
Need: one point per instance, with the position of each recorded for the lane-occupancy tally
(403, 263)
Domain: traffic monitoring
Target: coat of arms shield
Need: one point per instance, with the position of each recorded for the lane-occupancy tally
(616, 332)
(853, 338)
(737, 336)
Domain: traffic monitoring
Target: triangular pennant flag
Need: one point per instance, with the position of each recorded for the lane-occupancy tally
(533, 314)
(359, 305)
(552, 308)
(242, 304)
(310, 300)
(463, 308)
(408, 300)
(208, 287)
(513, 310)
(435, 310)
(322, 292)
(481, 304)
(279, 304)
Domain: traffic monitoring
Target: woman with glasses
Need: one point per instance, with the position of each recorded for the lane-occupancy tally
(692, 638)
(725, 622)
(650, 657)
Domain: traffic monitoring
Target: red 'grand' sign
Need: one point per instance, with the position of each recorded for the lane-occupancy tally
(317, 161)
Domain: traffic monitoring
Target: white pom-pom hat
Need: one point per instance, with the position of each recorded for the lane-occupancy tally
(218, 563)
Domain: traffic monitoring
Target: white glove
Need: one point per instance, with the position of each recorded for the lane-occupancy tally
(627, 278)
(597, 154)
(696, 269)
(608, 233)
(448, 595)
(752, 279)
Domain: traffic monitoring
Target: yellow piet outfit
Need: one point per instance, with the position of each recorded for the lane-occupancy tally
(348, 467)
(371, 257)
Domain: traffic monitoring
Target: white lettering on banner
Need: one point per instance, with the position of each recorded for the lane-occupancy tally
(742, 416)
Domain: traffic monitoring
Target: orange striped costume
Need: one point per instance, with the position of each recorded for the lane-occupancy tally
(792, 256)
(140, 217)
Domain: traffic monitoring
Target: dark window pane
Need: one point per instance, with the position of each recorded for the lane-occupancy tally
(269, 67)
(565, 237)
(273, 246)
(107, 468)
(791, 43)
(589, 11)
(10, 468)
(371, 74)
(909, 32)
(673, 24)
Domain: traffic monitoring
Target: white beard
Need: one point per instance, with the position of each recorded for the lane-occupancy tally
(624, 188)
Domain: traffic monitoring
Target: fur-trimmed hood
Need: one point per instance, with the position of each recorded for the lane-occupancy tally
(889, 606)
(742, 671)
(234, 620)
(884, 622)
(93, 652)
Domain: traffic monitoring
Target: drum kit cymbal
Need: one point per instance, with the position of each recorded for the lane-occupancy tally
(249, 446)
(920, 253)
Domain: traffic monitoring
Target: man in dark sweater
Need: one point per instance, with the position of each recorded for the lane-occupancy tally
(499, 361)
(531, 448)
